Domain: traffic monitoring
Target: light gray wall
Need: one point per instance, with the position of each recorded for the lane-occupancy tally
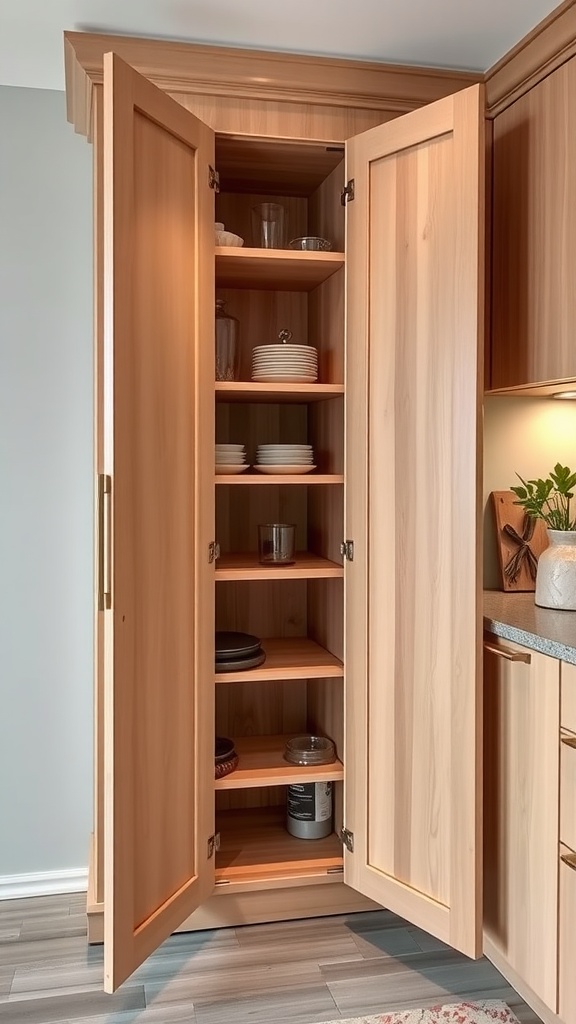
(45, 486)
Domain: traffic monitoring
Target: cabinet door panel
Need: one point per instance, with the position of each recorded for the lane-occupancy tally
(414, 337)
(521, 766)
(533, 235)
(157, 423)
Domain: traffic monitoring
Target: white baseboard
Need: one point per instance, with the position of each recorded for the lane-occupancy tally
(43, 883)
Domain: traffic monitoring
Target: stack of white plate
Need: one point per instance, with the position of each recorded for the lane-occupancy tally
(231, 458)
(285, 364)
(285, 458)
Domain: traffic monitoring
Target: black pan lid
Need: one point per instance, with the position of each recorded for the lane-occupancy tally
(235, 645)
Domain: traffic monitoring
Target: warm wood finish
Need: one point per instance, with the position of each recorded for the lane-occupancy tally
(567, 936)
(97, 844)
(157, 401)
(413, 640)
(274, 268)
(534, 252)
(545, 1014)
(568, 789)
(262, 315)
(540, 52)
(327, 215)
(254, 76)
(274, 166)
(262, 764)
(568, 693)
(250, 391)
(289, 658)
(507, 513)
(234, 210)
(521, 722)
(255, 845)
(254, 477)
(247, 567)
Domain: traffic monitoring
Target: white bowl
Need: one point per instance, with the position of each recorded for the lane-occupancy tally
(228, 238)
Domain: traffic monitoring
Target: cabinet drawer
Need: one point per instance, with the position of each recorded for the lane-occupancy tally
(567, 936)
(568, 709)
(568, 789)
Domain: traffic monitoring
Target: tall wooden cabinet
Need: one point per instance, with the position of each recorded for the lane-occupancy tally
(380, 651)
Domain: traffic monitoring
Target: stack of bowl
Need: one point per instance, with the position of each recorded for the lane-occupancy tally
(285, 458)
(231, 458)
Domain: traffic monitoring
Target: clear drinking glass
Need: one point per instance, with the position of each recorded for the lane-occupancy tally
(227, 346)
(276, 543)
(269, 226)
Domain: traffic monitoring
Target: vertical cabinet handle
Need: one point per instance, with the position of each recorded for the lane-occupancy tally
(570, 741)
(104, 583)
(569, 859)
(506, 653)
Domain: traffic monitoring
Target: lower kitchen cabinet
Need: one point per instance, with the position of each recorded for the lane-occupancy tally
(529, 825)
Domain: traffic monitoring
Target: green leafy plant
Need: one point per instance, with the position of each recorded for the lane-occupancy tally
(549, 499)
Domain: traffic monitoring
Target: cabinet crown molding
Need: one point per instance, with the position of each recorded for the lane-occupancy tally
(193, 68)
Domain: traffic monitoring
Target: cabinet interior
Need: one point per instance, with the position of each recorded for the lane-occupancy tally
(297, 611)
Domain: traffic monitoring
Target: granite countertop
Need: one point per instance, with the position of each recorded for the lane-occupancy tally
(515, 617)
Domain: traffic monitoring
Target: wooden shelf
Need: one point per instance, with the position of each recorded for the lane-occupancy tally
(250, 391)
(275, 269)
(289, 658)
(264, 479)
(262, 764)
(254, 844)
(247, 567)
(267, 166)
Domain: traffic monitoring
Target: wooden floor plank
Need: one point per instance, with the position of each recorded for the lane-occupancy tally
(295, 972)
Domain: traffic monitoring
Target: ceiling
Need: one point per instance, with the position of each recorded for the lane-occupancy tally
(464, 34)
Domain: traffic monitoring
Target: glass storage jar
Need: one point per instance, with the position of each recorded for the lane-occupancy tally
(227, 344)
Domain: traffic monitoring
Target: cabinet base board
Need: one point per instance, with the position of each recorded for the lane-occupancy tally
(524, 990)
(229, 910)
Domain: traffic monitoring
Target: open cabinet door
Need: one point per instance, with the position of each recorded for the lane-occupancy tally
(415, 231)
(157, 517)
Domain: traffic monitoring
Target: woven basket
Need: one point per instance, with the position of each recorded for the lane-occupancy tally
(225, 767)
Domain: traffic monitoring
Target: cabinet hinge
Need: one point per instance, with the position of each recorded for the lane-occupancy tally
(347, 550)
(347, 193)
(213, 179)
(347, 838)
(213, 551)
(213, 844)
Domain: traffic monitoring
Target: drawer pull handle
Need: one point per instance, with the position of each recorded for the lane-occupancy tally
(569, 859)
(508, 655)
(570, 741)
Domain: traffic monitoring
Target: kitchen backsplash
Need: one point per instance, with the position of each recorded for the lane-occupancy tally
(527, 436)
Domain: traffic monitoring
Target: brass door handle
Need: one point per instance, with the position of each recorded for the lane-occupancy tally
(569, 859)
(104, 582)
(506, 653)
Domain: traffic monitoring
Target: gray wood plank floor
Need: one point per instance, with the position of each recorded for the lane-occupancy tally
(296, 972)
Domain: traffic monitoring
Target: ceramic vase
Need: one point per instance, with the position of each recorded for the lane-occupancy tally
(556, 575)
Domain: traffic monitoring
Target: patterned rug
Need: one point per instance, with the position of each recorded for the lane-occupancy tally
(489, 1011)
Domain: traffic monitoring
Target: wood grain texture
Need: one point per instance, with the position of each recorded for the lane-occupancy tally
(234, 210)
(270, 480)
(521, 723)
(274, 268)
(326, 214)
(262, 763)
(567, 940)
(262, 315)
(247, 567)
(97, 846)
(415, 298)
(534, 225)
(290, 658)
(250, 391)
(508, 514)
(568, 693)
(568, 790)
(158, 408)
(274, 166)
(533, 58)
(245, 75)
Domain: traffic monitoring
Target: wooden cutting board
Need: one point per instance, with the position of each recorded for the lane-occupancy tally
(507, 514)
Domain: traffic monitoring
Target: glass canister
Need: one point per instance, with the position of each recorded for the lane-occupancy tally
(227, 344)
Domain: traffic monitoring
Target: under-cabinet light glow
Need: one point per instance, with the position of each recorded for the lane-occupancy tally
(564, 394)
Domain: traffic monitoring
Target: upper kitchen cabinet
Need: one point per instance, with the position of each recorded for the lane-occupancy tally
(534, 235)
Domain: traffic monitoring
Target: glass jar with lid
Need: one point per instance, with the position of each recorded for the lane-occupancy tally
(227, 344)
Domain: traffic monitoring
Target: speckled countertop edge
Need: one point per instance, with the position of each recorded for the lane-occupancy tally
(515, 617)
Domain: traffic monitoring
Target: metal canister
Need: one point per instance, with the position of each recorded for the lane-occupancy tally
(309, 810)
